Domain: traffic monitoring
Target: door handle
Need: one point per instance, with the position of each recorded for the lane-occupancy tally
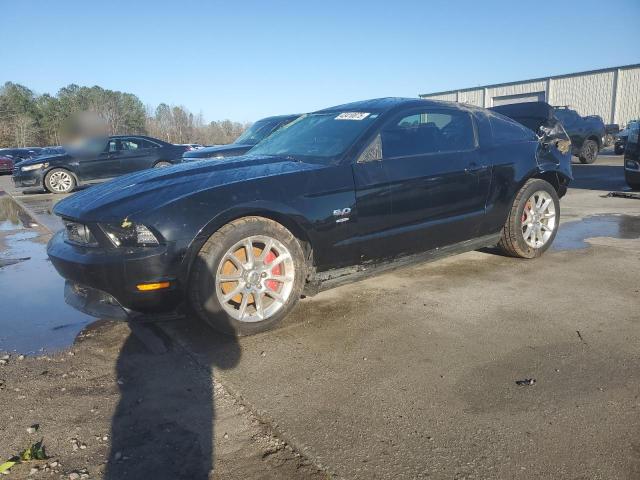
(474, 167)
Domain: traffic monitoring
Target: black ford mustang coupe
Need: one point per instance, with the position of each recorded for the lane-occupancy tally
(95, 160)
(337, 194)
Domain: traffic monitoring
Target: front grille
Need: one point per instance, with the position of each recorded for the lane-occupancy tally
(79, 233)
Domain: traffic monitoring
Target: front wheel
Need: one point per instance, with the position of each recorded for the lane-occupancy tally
(247, 276)
(162, 164)
(533, 220)
(59, 180)
(588, 152)
(634, 184)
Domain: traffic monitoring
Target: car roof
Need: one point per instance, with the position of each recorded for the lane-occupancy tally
(146, 137)
(380, 105)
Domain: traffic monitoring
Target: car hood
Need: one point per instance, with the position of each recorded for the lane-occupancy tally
(129, 195)
(219, 150)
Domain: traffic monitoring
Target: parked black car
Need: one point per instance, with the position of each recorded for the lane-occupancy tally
(20, 154)
(632, 157)
(339, 194)
(96, 160)
(622, 136)
(249, 138)
(610, 132)
(586, 133)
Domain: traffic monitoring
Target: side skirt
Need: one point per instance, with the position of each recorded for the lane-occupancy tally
(320, 281)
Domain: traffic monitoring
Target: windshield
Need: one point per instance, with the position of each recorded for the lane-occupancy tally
(316, 135)
(256, 132)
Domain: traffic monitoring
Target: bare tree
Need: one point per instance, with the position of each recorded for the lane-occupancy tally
(24, 130)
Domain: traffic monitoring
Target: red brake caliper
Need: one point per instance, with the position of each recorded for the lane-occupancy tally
(272, 284)
(526, 206)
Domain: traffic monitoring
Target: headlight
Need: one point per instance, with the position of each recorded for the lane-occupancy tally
(131, 235)
(80, 234)
(36, 166)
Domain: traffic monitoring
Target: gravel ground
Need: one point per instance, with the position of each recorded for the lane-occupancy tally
(121, 405)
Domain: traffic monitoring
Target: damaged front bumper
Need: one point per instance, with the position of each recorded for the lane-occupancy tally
(97, 303)
(94, 302)
(103, 282)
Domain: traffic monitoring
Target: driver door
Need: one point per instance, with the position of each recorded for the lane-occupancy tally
(103, 165)
(429, 188)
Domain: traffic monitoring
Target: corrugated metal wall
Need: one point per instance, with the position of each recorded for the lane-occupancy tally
(628, 95)
(613, 93)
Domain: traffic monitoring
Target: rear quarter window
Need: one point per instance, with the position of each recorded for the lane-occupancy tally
(505, 130)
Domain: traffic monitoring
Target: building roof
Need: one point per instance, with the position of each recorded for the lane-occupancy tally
(539, 79)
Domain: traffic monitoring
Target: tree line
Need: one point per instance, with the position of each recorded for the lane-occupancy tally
(29, 119)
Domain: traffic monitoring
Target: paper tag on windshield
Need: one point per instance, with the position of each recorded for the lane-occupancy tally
(352, 116)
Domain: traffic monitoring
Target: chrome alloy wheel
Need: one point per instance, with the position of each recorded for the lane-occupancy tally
(538, 219)
(254, 278)
(60, 181)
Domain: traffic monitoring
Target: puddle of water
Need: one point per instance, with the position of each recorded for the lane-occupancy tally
(572, 235)
(41, 206)
(34, 316)
(10, 215)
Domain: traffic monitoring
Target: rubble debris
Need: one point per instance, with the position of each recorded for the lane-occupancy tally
(34, 452)
(624, 195)
(526, 382)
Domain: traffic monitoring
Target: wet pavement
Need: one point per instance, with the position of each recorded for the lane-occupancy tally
(34, 317)
(575, 234)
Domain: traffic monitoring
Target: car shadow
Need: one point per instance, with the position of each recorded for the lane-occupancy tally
(163, 425)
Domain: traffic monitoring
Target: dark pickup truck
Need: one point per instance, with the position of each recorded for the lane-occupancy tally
(586, 133)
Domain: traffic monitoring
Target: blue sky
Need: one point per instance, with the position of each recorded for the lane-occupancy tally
(244, 60)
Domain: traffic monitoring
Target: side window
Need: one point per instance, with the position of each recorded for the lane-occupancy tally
(428, 132)
(143, 143)
(505, 130)
(129, 144)
(112, 146)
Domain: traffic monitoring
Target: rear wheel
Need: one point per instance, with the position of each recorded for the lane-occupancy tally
(533, 220)
(59, 180)
(588, 152)
(247, 276)
(162, 164)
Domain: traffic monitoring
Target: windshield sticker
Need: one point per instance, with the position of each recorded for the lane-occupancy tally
(352, 116)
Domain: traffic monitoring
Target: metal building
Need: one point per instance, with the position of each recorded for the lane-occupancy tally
(613, 93)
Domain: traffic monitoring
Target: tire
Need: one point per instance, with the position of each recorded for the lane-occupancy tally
(59, 180)
(232, 307)
(632, 184)
(618, 150)
(513, 241)
(588, 152)
(162, 164)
